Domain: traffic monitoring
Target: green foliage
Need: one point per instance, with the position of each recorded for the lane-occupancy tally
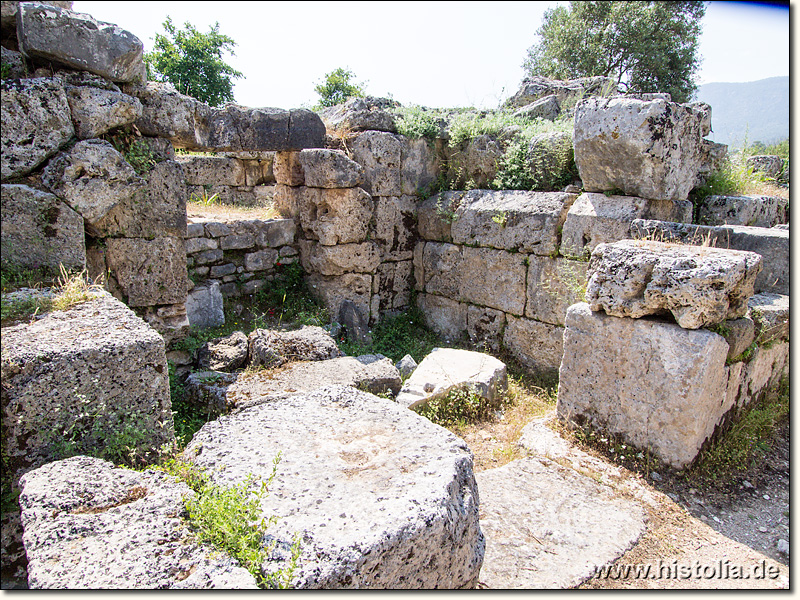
(188, 418)
(734, 178)
(70, 289)
(288, 299)
(419, 122)
(646, 46)
(14, 276)
(514, 169)
(136, 151)
(458, 408)
(203, 198)
(338, 86)
(193, 62)
(5, 70)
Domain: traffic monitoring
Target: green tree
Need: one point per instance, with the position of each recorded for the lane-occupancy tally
(338, 87)
(192, 62)
(646, 46)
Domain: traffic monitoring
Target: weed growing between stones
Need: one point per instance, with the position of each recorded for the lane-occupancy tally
(288, 300)
(419, 122)
(188, 418)
(128, 142)
(458, 408)
(733, 178)
(13, 277)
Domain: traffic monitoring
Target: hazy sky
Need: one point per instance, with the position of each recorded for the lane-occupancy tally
(438, 54)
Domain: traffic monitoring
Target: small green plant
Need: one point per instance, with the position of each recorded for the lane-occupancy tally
(203, 198)
(137, 152)
(188, 418)
(419, 122)
(733, 178)
(458, 408)
(288, 300)
(5, 70)
(500, 217)
(513, 168)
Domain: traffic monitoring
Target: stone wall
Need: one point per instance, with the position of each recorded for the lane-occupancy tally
(240, 178)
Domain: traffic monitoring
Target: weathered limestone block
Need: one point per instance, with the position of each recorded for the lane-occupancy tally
(771, 243)
(447, 369)
(330, 169)
(149, 272)
(554, 284)
(38, 230)
(539, 346)
(170, 114)
(659, 386)
(406, 366)
(753, 211)
(36, 123)
(262, 260)
(14, 63)
(92, 177)
(646, 149)
(341, 259)
(698, 286)
(711, 156)
(738, 333)
(274, 348)
(380, 154)
(258, 172)
(485, 327)
(204, 305)
(511, 220)
(769, 165)
(392, 284)
(276, 233)
(765, 369)
(333, 290)
(395, 227)
(89, 525)
(596, 218)
(437, 214)
(475, 163)
(551, 160)
(335, 216)
(770, 312)
(420, 166)
(288, 169)
(73, 377)
(359, 114)
(95, 111)
(546, 108)
(208, 391)
(170, 320)
(446, 317)
(79, 41)
(200, 244)
(534, 88)
(212, 170)
(534, 512)
(223, 353)
(345, 452)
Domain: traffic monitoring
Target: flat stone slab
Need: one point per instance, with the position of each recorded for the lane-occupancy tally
(770, 312)
(88, 525)
(380, 497)
(549, 527)
(446, 369)
(753, 211)
(699, 286)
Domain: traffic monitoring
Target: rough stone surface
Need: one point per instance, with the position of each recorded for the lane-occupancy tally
(485, 327)
(446, 317)
(288, 169)
(769, 165)
(753, 211)
(549, 527)
(698, 286)
(539, 346)
(36, 123)
(537, 87)
(92, 177)
(90, 525)
(330, 169)
(274, 348)
(770, 312)
(335, 216)
(395, 227)
(659, 386)
(204, 305)
(392, 285)
(447, 369)
(95, 111)
(167, 113)
(359, 114)
(224, 353)
(333, 290)
(596, 218)
(546, 108)
(437, 214)
(381, 497)
(379, 153)
(739, 333)
(212, 170)
(551, 159)
(354, 322)
(38, 230)
(149, 272)
(554, 284)
(475, 162)
(81, 374)
(420, 166)
(646, 149)
(712, 155)
(14, 62)
(341, 259)
(406, 366)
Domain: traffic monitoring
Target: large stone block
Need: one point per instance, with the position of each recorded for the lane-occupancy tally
(485, 327)
(395, 227)
(359, 114)
(341, 259)
(659, 386)
(167, 113)
(698, 286)
(79, 41)
(647, 149)
(38, 230)
(149, 272)
(392, 284)
(335, 216)
(554, 284)
(330, 169)
(288, 169)
(437, 214)
(538, 346)
(273, 348)
(380, 154)
(381, 497)
(333, 290)
(95, 111)
(81, 380)
(752, 211)
(537, 87)
(212, 170)
(204, 305)
(89, 525)
(546, 108)
(770, 313)
(446, 317)
(420, 166)
(597, 218)
(36, 123)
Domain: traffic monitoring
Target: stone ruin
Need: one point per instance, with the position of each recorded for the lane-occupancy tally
(662, 319)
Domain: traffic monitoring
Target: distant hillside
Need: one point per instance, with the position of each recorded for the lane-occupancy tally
(758, 109)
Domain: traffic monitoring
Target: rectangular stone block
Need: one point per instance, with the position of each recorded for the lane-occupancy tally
(333, 290)
(554, 284)
(392, 284)
(200, 244)
(437, 214)
(380, 155)
(212, 170)
(395, 226)
(334, 216)
(485, 327)
(288, 169)
(275, 233)
(752, 211)
(262, 260)
(341, 259)
(659, 386)
(237, 242)
(770, 313)
(446, 317)
(537, 345)
(420, 166)
(149, 272)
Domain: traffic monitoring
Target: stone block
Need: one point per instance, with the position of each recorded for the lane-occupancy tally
(169, 114)
(437, 214)
(96, 111)
(288, 169)
(220, 271)
(262, 260)
(659, 386)
(275, 233)
(698, 286)
(554, 284)
(335, 216)
(769, 165)
(237, 242)
(14, 61)
(546, 108)
(393, 283)
(149, 272)
(485, 327)
(596, 218)
(333, 290)
(395, 227)
(752, 211)
(200, 244)
(204, 305)
(474, 163)
(208, 257)
(770, 312)
(272, 348)
(379, 153)
(330, 169)
(359, 114)
(212, 170)
(539, 346)
(446, 317)
(341, 259)
(195, 230)
(420, 166)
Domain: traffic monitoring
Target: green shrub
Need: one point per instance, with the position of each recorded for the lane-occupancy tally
(458, 408)
(733, 178)
(418, 122)
(288, 300)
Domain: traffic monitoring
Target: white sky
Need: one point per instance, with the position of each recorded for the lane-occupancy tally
(437, 54)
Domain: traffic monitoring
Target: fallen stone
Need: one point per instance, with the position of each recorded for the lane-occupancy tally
(770, 312)
(149, 272)
(698, 286)
(548, 527)
(208, 391)
(224, 353)
(204, 305)
(546, 108)
(36, 122)
(406, 366)
(89, 525)
(345, 456)
(169, 114)
(447, 369)
(96, 111)
(273, 348)
(359, 114)
(330, 169)
(752, 211)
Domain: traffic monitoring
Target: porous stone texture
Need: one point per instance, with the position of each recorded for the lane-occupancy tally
(288, 169)
(341, 259)
(89, 525)
(333, 290)
(711, 156)
(204, 305)
(646, 149)
(474, 164)
(769, 165)
(212, 170)
(273, 348)
(38, 230)
(537, 87)
(447, 369)
(14, 62)
(395, 227)
(92, 177)
(551, 159)
(330, 169)
(333, 216)
(379, 153)
(169, 114)
(549, 527)
(223, 353)
(359, 114)
(420, 166)
(36, 122)
(657, 385)
(770, 313)
(596, 218)
(79, 41)
(149, 272)
(406, 366)
(446, 317)
(546, 108)
(485, 327)
(95, 111)
(381, 497)
(554, 284)
(753, 211)
(392, 285)
(538, 346)
(698, 286)
(79, 375)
